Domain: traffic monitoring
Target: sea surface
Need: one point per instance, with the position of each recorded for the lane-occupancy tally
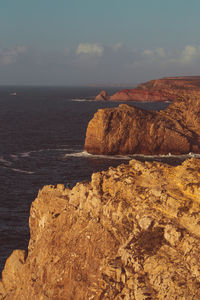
(42, 132)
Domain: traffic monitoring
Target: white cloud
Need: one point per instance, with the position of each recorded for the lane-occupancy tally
(9, 56)
(91, 49)
(117, 46)
(157, 53)
(96, 63)
(160, 52)
(189, 53)
(148, 52)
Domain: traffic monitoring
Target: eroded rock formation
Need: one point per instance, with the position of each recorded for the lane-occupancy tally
(129, 130)
(102, 96)
(164, 89)
(133, 232)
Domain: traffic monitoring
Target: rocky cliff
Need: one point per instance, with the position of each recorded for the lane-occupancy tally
(164, 89)
(129, 130)
(133, 232)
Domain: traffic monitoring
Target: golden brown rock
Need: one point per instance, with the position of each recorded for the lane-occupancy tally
(133, 232)
(129, 130)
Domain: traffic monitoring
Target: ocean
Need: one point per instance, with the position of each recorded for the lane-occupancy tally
(42, 132)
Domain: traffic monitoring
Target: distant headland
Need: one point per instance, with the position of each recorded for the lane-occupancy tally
(164, 89)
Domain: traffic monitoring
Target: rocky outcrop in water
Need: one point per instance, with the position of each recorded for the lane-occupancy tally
(164, 89)
(131, 130)
(102, 96)
(133, 232)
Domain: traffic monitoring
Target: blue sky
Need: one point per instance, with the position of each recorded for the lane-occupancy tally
(97, 42)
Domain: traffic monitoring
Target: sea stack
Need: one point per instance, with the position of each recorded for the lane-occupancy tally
(130, 130)
(102, 96)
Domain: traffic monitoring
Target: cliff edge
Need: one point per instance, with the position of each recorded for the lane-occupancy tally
(133, 232)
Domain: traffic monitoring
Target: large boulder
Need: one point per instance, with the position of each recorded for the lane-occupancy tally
(133, 232)
(131, 130)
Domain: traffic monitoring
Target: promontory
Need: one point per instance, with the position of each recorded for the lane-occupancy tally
(131, 130)
(164, 89)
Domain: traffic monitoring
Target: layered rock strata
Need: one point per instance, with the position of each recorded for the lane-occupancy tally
(133, 232)
(164, 89)
(130, 130)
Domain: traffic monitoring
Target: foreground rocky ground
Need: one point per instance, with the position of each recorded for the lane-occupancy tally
(133, 232)
(130, 130)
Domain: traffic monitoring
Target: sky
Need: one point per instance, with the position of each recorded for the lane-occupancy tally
(92, 42)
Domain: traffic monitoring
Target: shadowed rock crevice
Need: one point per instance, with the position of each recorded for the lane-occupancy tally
(147, 242)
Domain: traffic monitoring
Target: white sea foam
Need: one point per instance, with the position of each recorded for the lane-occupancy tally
(86, 154)
(25, 154)
(28, 154)
(5, 162)
(22, 171)
(78, 154)
(131, 156)
(188, 155)
(82, 100)
(17, 170)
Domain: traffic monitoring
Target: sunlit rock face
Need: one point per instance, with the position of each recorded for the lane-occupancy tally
(164, 89)
(131, 130)
(133, 232)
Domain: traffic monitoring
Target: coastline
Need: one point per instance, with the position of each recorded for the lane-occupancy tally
(162, 89)
(77, 235)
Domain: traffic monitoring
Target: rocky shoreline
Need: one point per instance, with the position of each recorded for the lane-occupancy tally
(133, 232)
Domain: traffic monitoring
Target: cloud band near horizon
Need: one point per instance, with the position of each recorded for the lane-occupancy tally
(96, 63)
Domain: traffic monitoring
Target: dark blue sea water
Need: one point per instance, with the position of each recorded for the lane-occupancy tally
(42, 132)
